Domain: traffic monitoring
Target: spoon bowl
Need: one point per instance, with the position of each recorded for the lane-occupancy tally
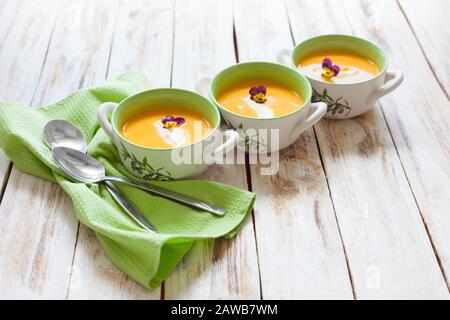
(78, 165)
(61, 133)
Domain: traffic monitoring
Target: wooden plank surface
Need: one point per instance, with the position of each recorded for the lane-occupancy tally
(418, 117)
(376, 210)
(430, 24)
(357, 208)
(222, 269)
(24, 36)
(37, 215)
(143, 40)
(300, 251)
(143, 30)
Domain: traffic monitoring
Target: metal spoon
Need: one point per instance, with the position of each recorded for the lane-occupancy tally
(61, 133)
(83, 167)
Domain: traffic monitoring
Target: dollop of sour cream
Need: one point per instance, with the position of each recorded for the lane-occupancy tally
(261, 109)
(176, 137)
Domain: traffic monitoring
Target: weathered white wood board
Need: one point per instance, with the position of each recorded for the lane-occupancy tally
(358, 208)
(24, 34)
(378, 218)
(38, 231)
(430, 23)
(79, 50)
(94, 277)
(143, 31)
(221, 269)
(36, 215)
(143, 40)
(300, 251)
(418, 116)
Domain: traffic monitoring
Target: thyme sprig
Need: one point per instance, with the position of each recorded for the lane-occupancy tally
(333, 106)
(144, 168)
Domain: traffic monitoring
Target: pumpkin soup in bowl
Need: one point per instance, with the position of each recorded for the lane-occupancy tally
(268, 104)
(165, 127)
(347, 73)
(260, 99)
(166, 133)
(338, 67)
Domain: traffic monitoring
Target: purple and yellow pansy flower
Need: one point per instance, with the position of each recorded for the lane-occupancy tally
(170, 122)
(329, 70)
(258, 94)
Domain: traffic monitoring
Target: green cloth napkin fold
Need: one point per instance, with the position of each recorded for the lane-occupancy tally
(148, 258)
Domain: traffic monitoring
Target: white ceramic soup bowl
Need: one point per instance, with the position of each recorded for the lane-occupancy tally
(166, 163)
(345, 100)
(264, 135)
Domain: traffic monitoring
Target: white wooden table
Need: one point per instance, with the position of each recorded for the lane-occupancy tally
(360, 208)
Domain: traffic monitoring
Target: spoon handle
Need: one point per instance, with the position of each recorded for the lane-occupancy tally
(170, 195)
(129, 207)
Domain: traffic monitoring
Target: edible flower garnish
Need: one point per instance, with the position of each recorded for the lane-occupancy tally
(170, 122)
(329, 70)
(258, 94)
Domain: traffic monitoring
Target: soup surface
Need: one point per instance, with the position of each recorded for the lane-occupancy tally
(353, 68)
(279, 100)
(162, 127)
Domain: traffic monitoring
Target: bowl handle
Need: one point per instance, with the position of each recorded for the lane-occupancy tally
(202, 85)
(394, 79)
(316, 112)
(231, 139)
(103, 118)
(283, 56)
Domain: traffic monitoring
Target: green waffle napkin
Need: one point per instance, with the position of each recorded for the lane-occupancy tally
(148, 258)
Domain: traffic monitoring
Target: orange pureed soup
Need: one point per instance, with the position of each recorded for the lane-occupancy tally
(279, 100)
(353, 68)
(162, 128)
